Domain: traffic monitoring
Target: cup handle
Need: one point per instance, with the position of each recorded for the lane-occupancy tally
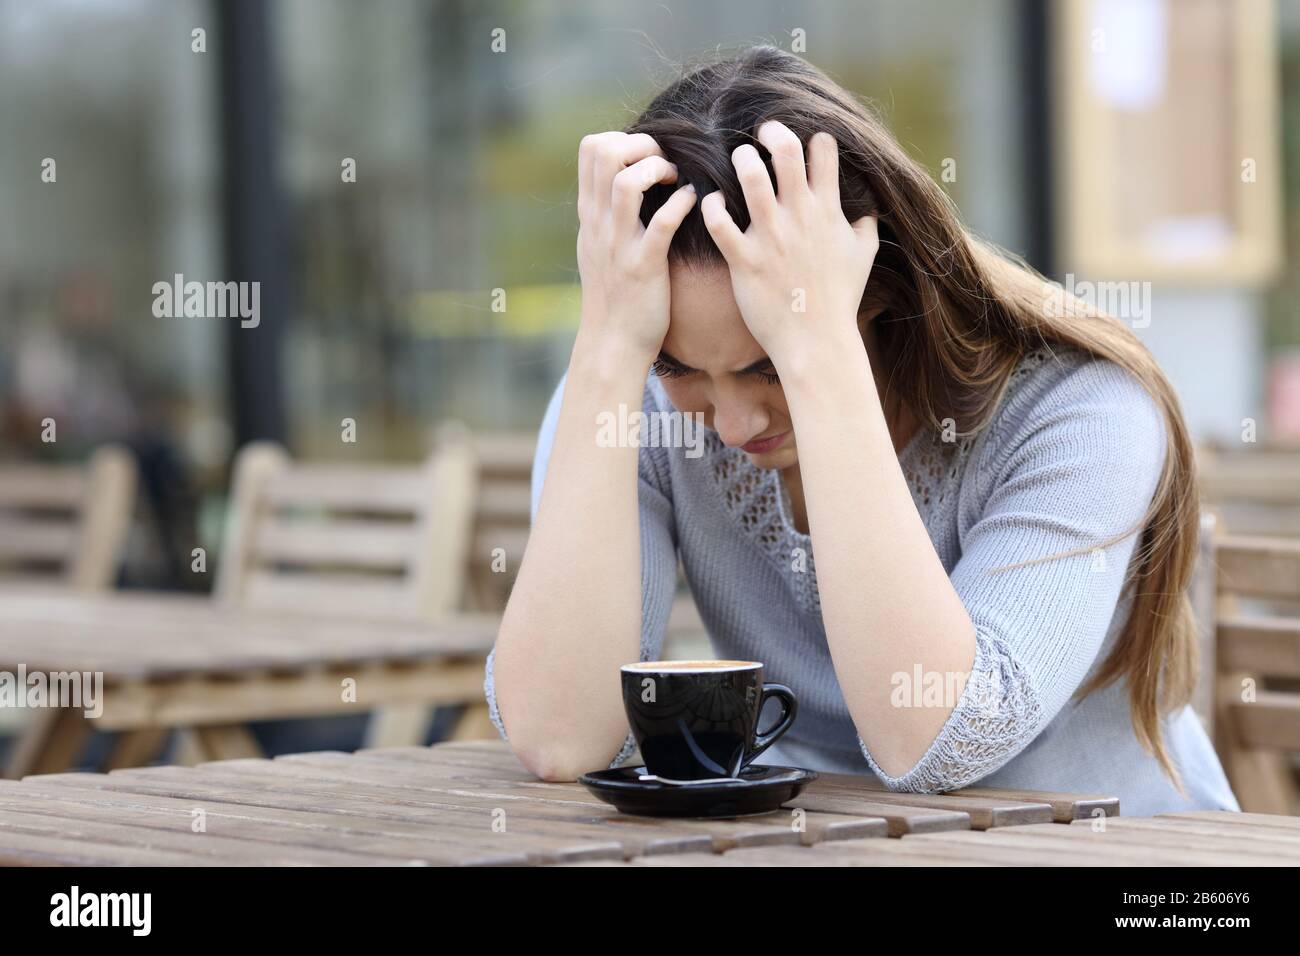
(789, 707)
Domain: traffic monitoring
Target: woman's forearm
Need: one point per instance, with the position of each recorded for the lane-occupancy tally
(574, 615)
(887, 602)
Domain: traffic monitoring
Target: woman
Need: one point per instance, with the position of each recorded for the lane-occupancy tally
(995, 479)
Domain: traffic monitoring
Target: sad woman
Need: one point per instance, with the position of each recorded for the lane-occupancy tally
(923, 462)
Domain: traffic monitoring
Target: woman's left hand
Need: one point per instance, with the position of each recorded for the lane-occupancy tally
(799, 270)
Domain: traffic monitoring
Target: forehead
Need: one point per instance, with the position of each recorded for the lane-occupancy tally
(705, 327)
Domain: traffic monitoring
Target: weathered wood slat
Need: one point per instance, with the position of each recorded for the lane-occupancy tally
(303, 692)
(1261, 821)
(26, 849)
(1258, 566)
(908, 852)
(855, 853)
(486, 759)
(505, 502)
(61, 487)
(487, 538)
(140, 635)
(469, 832)
(356, 543)
(1259, 645)
(1250, 838)
(178, 816)
(36, 539)
(345, 594)
(1271, 721)
(1038, 845)
(985, 812)
(1228, 845)
(746, 856)
(1254, 476)
(1262, 517)
(375, 489)
(1066, 807)
(217, 848)
(901, 818)
(505, 454)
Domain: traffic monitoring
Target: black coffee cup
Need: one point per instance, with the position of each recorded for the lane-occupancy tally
(696, 720)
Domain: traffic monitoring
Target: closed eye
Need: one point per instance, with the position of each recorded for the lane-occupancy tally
(763, 370)
(665, 368)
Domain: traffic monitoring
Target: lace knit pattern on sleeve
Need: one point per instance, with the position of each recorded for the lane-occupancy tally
(997, 711)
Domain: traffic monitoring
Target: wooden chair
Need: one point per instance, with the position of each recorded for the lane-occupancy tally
(1257, 663)
(362, 540)
(65, 525)
(372, 541)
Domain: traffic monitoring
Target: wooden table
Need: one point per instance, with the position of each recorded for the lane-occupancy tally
(182, 661)
(470, 803)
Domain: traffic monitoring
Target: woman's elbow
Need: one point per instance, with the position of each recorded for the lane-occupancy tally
(553, 764)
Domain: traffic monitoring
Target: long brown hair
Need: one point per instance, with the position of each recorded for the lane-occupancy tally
(962, 311)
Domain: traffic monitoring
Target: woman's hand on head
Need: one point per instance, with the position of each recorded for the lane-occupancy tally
(798, 272)
(623, 264)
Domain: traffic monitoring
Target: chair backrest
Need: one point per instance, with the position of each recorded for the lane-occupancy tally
(361, 540)
(65, 524)
(501, 533)
(1256, 489)
(502, 517)
(1257, 662)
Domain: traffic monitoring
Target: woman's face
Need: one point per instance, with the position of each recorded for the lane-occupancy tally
(713, 366)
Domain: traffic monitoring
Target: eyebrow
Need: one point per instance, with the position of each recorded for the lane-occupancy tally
(758, 366)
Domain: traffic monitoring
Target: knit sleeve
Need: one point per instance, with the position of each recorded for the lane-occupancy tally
(1075, 472)
(658, 551)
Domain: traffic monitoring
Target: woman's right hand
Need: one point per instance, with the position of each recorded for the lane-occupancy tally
(623, 264)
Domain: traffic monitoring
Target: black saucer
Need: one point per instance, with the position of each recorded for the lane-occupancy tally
(758, 789)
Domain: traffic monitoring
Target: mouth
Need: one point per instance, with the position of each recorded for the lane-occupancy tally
(760, 446)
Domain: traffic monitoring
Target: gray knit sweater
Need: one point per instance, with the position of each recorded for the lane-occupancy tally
(1070, 459)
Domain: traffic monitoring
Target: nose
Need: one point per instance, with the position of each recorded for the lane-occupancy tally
(736, 420)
